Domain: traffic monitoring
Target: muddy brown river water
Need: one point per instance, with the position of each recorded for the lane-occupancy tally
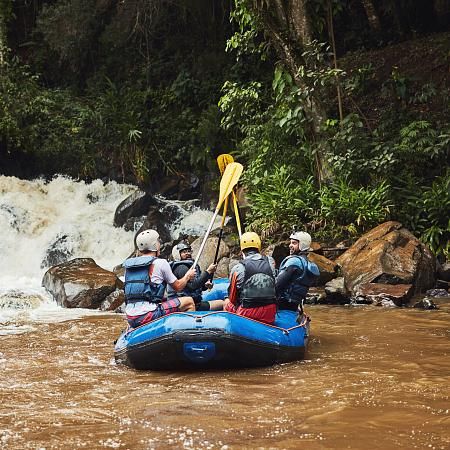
(374, 378)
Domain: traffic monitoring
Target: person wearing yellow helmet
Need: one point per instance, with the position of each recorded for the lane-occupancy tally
(252, 283)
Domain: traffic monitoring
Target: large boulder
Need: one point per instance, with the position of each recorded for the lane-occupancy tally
(209, 251)
(81, 283)
(388, 254)
(136, 204)
(183, 186)
(156, 220)
(328, 269)
(222, 268)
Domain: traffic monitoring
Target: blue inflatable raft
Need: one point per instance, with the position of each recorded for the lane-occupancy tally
(213, 339)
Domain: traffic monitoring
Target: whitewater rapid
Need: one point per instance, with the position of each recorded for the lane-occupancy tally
(70, 219)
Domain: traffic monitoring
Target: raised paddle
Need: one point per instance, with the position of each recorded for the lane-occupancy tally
(222, 161)
(229, 179)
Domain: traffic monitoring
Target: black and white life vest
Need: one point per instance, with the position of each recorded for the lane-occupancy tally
(258, 288)
(196, 294)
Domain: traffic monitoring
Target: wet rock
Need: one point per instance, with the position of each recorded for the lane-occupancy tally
(388, 254)
(315, 295)
(113, 301)
(335, 291)
(135, 205)
(328, 269)
(222, 270)
(80, 283)
(16, 299)
(437, 293)
(317, 248)
(443, 271)
(134, 223)
(441, 284)
(60, 251)
(185, 186)
(383, 294)
(209, 251)
(278, 252)
(166, 250)
(425, 303)
(156, 220)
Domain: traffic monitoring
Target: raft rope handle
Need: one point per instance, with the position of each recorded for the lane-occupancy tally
(284, 330)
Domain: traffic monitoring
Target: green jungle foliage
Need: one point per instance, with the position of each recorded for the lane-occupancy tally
(342, 122)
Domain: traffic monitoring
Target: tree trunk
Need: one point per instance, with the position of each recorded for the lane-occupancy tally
(442, 11)
(372, 15)
(288, 27)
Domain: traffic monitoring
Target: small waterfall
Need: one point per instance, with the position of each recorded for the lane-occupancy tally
(46, 223)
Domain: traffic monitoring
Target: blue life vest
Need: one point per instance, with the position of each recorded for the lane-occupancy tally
(258, 288)
(307, 274)
(138, 287)
(196, 294)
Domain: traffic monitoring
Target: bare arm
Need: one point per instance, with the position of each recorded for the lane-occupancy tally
(180, 284)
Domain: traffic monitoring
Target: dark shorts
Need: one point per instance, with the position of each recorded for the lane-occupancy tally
(199, 306)
(202, 306)
(164, 308)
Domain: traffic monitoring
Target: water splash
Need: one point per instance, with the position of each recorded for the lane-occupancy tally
(45, 223)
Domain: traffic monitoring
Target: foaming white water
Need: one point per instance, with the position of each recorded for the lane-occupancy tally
(62, 216)
(44, 223)
(191, 220)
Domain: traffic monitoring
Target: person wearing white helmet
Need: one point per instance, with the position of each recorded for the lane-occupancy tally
(146, 278)
(296, 273)
(252, 283)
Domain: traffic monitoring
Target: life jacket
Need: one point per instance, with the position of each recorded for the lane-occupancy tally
(258, 288)
(298, 288)
(138, 284)
(196, 294)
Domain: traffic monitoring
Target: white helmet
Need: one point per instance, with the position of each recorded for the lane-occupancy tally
(148, 240)
(303, 238)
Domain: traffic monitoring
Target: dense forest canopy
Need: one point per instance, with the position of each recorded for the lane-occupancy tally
(338, 108)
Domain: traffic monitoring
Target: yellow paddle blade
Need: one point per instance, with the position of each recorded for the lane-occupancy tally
(223, 161)
(229, 179)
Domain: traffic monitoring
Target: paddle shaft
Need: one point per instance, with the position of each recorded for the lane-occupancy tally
(237, 214)
(224, 215)
(229, 180)
(202, 246)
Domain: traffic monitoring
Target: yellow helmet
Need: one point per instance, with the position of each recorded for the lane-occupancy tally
(250, 240)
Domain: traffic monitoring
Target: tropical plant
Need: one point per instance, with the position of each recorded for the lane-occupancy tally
(283, 200)
(355, 209)
(436, 207)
